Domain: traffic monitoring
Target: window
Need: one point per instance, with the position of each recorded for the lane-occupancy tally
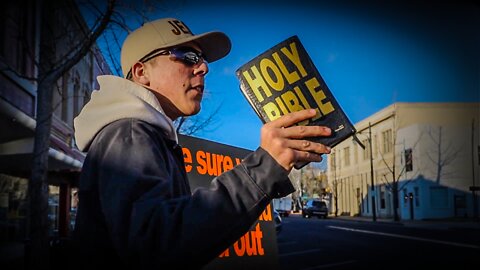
(359, 196)
(318, 204)
(405, 197)
(332, 160)
(65, 96)
(17, 34)
(346, 156)
(409, 160)
(382, 197)
(367, 199)
(84, 96)
(355, 154)
(77, 93)
(387, 141)
(366, 151)
(13, 208)
(338, 160)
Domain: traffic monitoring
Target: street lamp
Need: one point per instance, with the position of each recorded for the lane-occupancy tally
(372, 185)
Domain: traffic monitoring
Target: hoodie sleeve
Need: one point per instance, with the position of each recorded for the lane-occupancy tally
(149, 214)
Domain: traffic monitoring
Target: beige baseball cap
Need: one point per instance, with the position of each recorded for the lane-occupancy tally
(169, 32)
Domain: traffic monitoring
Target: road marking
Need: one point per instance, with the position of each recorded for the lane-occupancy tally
(287, 243)
(329, 265)
(300, 252)
(407, 237)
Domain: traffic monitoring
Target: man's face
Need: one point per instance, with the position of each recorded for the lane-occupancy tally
(178, 86)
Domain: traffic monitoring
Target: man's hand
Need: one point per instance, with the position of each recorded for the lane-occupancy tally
(285, 143)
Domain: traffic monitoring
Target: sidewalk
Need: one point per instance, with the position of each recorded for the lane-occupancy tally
(441, 224)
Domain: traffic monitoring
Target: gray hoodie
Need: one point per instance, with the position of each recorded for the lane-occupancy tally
(117, 99)
(136, 209)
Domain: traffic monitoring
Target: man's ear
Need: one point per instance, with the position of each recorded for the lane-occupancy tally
(139, 75)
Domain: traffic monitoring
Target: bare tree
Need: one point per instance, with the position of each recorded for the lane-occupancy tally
(392, 182)
(335, 195)
(50, 69)
(442, 155)
(193, 124)
(313, 180)
(62, 46)
(335, 181)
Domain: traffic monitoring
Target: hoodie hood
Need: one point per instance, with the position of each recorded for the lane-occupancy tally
(117, 99)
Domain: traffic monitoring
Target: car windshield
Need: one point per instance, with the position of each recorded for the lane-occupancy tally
(318, 203)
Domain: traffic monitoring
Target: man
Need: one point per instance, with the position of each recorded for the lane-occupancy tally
(136, 208)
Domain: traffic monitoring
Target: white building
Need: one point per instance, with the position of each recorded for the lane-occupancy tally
(442, 140)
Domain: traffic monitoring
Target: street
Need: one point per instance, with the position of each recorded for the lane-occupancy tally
(342, 244)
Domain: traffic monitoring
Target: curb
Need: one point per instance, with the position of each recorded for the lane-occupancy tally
(466, 225)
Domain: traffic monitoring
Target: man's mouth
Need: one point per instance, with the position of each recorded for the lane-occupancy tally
(199, 88)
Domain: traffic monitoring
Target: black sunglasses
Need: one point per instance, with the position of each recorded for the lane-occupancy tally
(186, 55)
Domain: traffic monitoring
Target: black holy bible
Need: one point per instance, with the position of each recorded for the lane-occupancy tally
(284, 79)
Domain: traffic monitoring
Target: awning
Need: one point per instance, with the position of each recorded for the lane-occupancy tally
(16, 143)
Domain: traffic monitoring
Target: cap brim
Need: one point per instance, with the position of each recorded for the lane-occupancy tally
(214, 45)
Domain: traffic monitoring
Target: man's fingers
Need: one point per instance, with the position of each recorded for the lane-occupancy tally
(308, 146)
(288, 144)
(292, 118)
(298, 132)
(302, 156)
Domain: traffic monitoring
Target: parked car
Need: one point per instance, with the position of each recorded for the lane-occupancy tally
(278, 221)
(315, 208)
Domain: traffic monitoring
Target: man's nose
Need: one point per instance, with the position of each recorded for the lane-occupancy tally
(201, 69)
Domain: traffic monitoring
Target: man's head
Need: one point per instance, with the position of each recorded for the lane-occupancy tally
(166, 57)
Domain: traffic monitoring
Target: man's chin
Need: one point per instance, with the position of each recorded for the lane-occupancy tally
(196, 111)
(192, 112)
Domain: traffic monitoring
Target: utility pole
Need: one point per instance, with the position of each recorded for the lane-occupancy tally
(372, 185)
(335, 187)
(474, 188)
(301, 189)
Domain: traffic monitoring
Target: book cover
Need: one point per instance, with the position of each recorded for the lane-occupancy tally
(284, 79)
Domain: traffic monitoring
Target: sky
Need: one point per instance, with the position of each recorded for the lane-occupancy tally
(370, 54)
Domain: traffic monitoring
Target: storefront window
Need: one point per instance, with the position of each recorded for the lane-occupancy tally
(73, 208)
(53, 207)
(13, 208)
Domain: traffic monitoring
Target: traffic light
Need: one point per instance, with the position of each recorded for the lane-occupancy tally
(408, 160)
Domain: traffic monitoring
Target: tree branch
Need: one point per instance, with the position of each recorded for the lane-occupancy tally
(78, 54)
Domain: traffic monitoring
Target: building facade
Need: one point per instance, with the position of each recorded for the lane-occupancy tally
(22, 28)
(424, 156)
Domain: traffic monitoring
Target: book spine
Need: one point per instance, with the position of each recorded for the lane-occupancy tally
(247, 92)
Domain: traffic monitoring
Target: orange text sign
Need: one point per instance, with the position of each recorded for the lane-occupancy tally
(257, 248)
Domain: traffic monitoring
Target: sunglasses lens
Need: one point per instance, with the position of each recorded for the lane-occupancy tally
(188, 56)
(191, 58)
